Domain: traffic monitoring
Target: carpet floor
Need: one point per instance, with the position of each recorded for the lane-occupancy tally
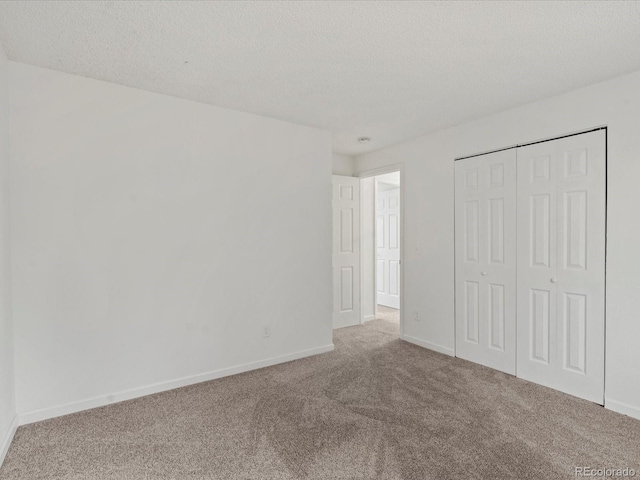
(375, 408)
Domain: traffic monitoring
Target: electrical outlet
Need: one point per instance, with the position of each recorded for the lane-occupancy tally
(266, 331)
(416, 316)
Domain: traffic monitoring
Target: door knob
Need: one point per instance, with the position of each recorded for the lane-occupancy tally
(554, 280)
(484, 274)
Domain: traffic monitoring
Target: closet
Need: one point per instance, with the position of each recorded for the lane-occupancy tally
(530, 262)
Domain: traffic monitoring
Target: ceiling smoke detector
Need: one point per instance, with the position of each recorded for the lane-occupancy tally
(364, 140)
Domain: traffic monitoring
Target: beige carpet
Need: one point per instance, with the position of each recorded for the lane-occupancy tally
(376, 408)
(390, 314)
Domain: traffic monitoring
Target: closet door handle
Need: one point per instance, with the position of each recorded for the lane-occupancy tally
(484, 274)
(554, 280)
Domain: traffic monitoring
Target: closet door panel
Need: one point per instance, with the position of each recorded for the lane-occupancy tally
(486, 260)
(537, 245)
(581, 214)
(561, 233)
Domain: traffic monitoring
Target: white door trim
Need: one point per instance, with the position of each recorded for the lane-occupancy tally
(398, 167)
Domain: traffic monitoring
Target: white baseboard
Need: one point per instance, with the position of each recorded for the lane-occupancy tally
(6, 441)
(73, 407)
(623, 408)
(368, 318)
(431, 346)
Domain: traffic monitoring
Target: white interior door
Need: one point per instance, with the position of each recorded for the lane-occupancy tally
(485, 251)
(561, 260)
(388, 247)
(346, 251)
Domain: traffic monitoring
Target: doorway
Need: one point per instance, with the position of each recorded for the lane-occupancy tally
(381, 246)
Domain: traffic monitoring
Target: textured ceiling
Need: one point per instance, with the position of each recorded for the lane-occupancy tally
(386, 70)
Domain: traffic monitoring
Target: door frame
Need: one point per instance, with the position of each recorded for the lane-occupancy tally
(398, 167)
(606, 229)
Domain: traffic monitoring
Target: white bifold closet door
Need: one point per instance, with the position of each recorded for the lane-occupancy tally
(485, 246)
(561, 264)
(346, 251)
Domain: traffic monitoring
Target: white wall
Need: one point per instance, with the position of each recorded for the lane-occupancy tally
(428, 163)
(150, 247)
(7, 393)
(343, 165)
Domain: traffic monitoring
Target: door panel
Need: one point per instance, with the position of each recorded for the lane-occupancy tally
(496, 316)
(471, 230)
(540, 230)
(346, 230)
(393, 225)
(346, 289)
(575, 230)
(394, 278)
(561, 248)
(472, 312)
(575, 326)
(388, 247)
(496, 230)
(346, 251)
(539, 319)
(485, 248)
